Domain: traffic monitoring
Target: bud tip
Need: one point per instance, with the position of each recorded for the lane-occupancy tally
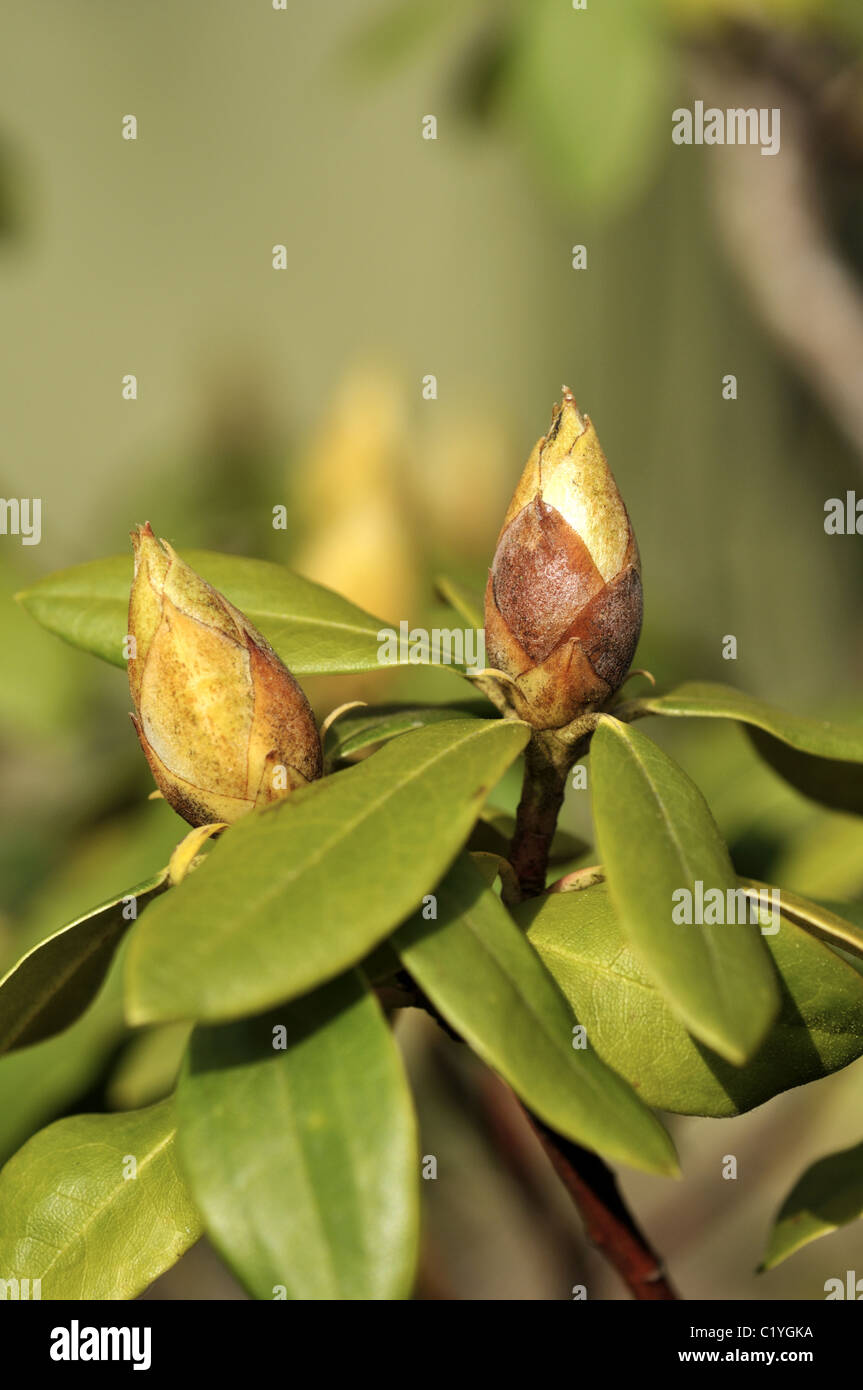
(568, 402)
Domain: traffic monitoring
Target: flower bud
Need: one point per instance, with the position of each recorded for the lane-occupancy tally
(563, 601)
(224, 725)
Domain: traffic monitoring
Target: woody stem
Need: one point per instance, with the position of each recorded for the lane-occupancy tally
(608, 1222)
(547, 763)
(589, 1181)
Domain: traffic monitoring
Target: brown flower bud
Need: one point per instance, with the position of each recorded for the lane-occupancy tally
(224, 725)
(563, 602)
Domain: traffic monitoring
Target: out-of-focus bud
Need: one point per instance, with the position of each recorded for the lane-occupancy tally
(349, 492)
(224, 725)
(348, 487)
(563, 603)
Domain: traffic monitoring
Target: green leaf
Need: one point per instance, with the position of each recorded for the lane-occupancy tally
(822, 856)
(819, 1028)
(488, 866)
(586, 92)
(303, 1156)
(360, 728)
(656, 836)
(40, 1082)
(821, 921)
(294, 895)
(313, 629)
(489, 984)
(74, 1219)
(824, 760)
(829, 1195)
(148, 1067)
(56, 981)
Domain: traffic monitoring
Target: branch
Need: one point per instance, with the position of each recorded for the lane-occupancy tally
(770, 213)
(607, 1221)
(547, 764)
(589, 1182)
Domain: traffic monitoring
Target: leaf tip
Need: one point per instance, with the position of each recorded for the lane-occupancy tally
(730, 1050)
(139, 1009)
(608, 721)
(669, 1165)
(137, 1015)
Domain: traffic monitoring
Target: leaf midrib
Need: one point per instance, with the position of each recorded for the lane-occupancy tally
(709, 945)
(255, 614)
(145, 889)
(594, 1082)
(345, 828)
(99, 1211)
(821, 1030)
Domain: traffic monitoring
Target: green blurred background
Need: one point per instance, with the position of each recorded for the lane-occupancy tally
(303, 387)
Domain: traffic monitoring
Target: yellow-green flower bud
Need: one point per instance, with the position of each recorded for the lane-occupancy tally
(563, 602)
(224, 725)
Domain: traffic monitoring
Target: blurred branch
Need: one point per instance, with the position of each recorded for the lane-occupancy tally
(503, 1124)
(771, 211)
(510, 1133)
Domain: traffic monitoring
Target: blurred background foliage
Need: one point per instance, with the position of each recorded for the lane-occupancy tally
(304, 388)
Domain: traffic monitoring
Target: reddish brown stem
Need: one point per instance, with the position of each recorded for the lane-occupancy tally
(536, 819)
(589, 1182)
(607, 1222)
